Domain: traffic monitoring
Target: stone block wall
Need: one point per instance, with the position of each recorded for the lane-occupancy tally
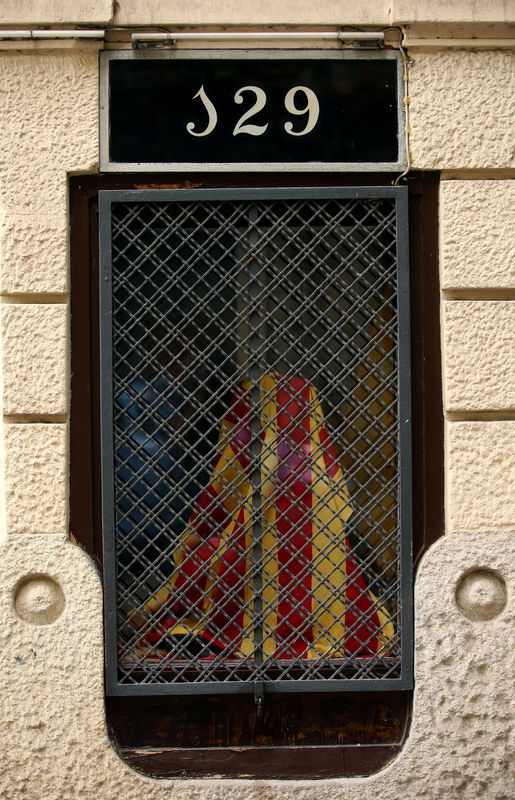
(461, 117)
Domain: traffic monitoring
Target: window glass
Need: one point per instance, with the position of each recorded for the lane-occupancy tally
(256, 427)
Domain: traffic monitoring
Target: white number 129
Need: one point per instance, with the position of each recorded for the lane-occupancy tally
(311, 108)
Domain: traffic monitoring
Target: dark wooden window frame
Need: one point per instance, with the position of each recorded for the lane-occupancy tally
(166, 737)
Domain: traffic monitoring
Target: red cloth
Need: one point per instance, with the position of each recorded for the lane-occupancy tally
(315, 600)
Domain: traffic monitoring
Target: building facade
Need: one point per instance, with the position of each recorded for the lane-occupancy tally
(458, 73)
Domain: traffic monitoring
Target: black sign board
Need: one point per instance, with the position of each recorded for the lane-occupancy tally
(251, 110)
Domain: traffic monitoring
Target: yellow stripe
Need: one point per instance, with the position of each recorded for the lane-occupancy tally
(229, 481)
(268, 397)
(330, 509)
(387, 630)
(247, 640)
(268, 463)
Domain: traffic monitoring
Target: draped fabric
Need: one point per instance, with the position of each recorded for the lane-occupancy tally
(370, 449)
(280, 490)
(161, 460)
(149, 465)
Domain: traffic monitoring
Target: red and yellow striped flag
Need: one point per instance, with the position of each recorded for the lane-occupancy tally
(315, 600)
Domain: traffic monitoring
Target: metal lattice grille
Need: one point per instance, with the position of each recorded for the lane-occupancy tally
(253, 483)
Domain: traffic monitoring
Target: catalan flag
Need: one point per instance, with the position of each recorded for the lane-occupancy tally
(276, 489)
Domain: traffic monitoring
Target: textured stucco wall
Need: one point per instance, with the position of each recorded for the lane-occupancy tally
(479, 342)
(34, 346)
(268, 12)
(52, 695)
(55, 12)
(477, 247)
(459, 746)
(462, 111)
(49, 113)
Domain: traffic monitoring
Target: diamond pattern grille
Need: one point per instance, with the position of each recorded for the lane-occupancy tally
(255, 440)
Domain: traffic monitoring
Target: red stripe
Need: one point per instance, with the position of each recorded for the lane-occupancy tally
(294, 523)
(209, 514)
(330, 459)
(225, 623)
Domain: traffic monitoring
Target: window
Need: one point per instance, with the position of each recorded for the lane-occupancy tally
(252, 391)
(256, 441)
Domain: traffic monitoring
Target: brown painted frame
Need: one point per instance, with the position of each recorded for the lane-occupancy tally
(147, 730)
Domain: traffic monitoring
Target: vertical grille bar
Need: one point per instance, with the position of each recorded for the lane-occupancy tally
(255, 374)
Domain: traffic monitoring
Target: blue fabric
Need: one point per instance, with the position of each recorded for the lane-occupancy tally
(158, 474)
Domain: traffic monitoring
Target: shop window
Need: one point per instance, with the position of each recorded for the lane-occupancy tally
(253, 405)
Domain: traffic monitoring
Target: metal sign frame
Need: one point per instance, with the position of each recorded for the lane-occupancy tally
(106, 165)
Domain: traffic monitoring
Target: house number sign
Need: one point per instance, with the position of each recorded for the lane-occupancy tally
(256, 110)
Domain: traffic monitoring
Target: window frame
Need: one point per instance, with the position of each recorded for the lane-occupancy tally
(397, 195)
(427, 434)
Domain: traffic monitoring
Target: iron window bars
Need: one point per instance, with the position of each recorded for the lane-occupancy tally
(256, 475)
